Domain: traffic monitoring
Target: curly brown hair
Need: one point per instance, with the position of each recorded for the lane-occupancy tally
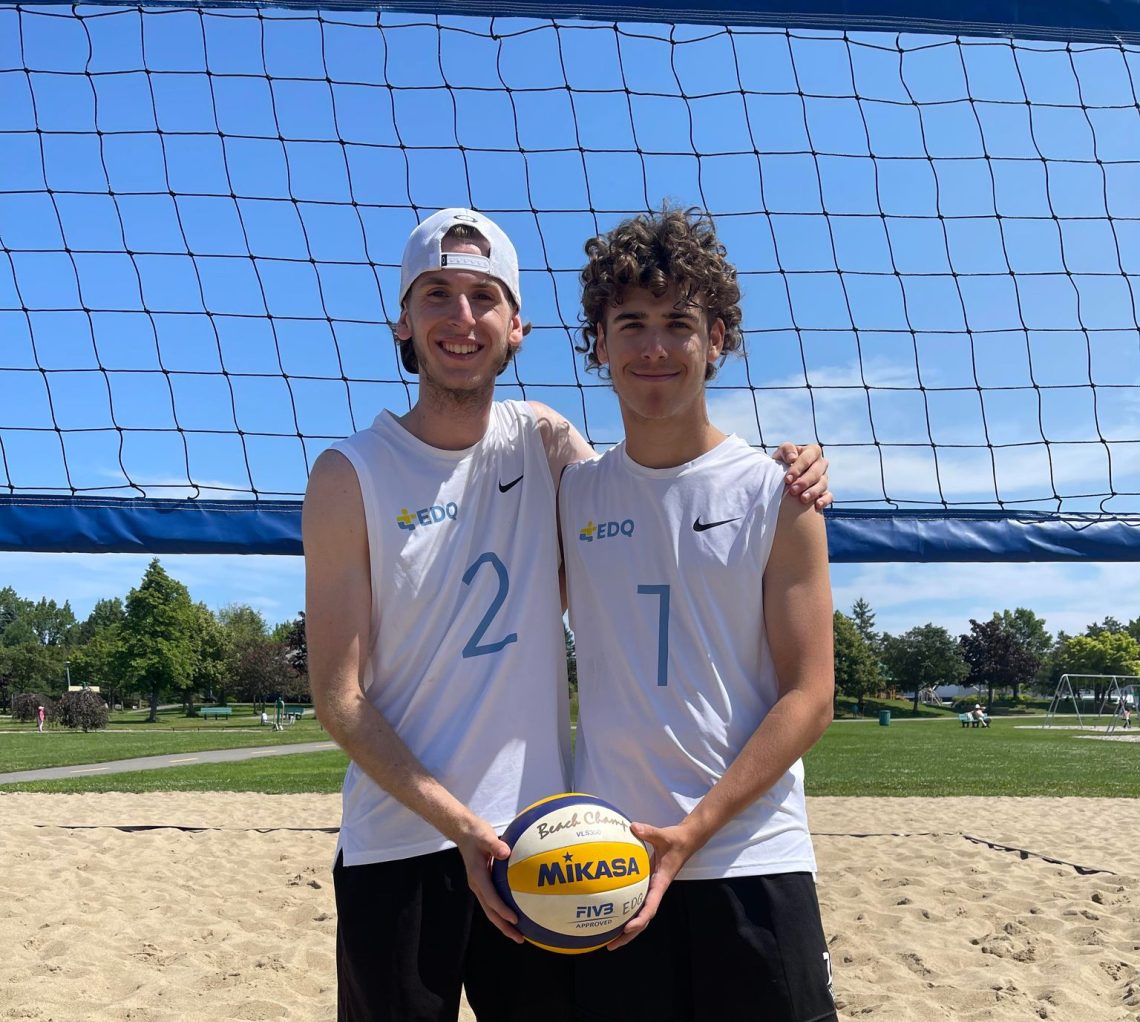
(660, 251)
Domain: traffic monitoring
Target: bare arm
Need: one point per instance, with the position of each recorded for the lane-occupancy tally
(806, 475)
(338, 597)
(797, 619)
(564, 444)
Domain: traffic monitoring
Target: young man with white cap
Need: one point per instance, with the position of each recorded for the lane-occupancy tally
(436, 647)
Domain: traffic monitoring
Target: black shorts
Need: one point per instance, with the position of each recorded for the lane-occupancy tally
(745, 948)
(410, 933)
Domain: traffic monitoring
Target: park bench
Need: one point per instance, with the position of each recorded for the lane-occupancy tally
(215, 711)
(968, 719)
(294, 712)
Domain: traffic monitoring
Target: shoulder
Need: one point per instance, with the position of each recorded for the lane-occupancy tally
(556, 428)
(571, 477)
(563, 443)
(332, 497)
(543, 413)
(592, 467)
(739, 464)
(331, 468)
(334, 534)
(739, 450)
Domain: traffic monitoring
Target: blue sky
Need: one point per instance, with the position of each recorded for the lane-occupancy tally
(206, 279)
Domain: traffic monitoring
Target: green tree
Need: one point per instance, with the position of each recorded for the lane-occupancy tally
(1052, 665)
(32, 667)
(1109, 625)
(925, 655)
(857, 672)
(51, 624)
(297, 643)
(159, 644)
(1028, 629)
(105, 614)
(11, 607)
(213, 667)
(244, 631)
(997, 656)
(1106, 653)
(20, 633)
(864, 619)
(243, 625)
(571, 659)
(99, 661)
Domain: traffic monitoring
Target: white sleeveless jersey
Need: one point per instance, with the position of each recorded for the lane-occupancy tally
(467, 653)
(665, 571)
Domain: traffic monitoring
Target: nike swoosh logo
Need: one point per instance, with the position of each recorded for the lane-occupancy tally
(699, 526)
(503, 487)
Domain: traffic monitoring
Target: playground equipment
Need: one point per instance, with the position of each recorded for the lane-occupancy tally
(1116, 695)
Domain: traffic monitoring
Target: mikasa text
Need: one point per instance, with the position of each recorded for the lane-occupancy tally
(574, 872)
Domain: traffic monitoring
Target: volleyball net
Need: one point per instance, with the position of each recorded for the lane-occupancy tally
(936, 221)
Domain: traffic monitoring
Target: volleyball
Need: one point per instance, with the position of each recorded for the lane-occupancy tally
(576, 873)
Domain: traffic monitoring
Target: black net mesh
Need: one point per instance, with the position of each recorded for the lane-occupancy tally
(202, 213)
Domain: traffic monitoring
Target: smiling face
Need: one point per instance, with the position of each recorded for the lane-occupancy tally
(462, 324)
(658, 350)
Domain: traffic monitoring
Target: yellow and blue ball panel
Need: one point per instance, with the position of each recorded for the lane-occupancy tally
(576, 873)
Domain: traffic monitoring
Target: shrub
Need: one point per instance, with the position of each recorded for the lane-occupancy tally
(83, 709)
(25, 707)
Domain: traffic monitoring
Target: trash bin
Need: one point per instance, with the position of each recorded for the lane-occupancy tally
(884, 718)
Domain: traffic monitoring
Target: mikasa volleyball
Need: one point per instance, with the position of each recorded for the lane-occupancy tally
(576, 873)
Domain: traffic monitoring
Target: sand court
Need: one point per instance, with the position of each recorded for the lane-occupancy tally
(220, 906)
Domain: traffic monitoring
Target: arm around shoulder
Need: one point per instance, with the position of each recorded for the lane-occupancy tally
(564, 444)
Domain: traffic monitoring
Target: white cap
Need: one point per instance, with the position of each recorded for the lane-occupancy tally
(422, 253)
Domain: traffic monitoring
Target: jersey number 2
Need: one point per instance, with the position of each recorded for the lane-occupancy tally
(473, 648)
(662, 592)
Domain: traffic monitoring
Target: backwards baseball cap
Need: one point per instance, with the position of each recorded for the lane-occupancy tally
(423, 252)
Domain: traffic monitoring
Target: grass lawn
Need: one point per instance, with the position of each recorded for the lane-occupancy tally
(928, 757)
(271, 775)
(128, 737)
(910, 757)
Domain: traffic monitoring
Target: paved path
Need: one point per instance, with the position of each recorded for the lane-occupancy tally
(121, 766)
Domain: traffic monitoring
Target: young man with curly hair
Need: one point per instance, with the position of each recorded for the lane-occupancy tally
(701, 609)
(436, 650)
